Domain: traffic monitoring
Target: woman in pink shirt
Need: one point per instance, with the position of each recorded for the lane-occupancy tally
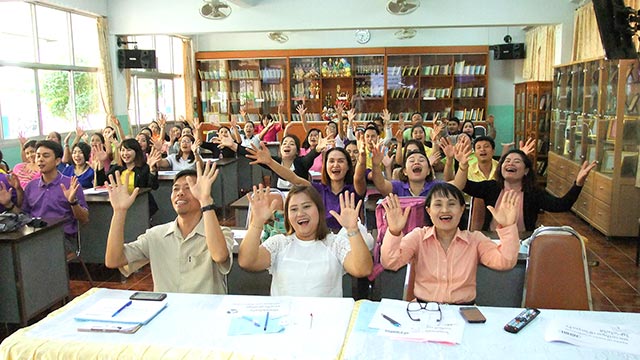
(444, 257)
(28, 170)
(269, 128)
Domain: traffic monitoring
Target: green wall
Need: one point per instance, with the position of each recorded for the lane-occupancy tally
(504, 124)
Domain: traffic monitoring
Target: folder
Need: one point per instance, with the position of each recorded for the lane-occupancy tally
(117, 311)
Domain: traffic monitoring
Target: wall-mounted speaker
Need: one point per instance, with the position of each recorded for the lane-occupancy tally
(508, 51)
(136, 59)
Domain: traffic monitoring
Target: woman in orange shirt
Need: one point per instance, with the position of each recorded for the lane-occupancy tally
(445, 257)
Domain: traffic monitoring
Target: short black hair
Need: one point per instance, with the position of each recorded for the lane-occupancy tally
(28, 144)
(374, 128)
(484, 138)
(50, 144)
(186, 172)
(85, 148)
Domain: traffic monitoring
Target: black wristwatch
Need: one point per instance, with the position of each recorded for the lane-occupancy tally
(207, 208)
(74, 202)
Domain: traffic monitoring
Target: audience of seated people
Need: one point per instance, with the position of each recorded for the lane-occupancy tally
(319, 225)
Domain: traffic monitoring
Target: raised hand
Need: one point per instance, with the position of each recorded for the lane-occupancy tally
(301, 109)
(262, 207)
(225, 141)
(196, 145)
(435, 157)
(234, 122)
(162, 120)
(153, 158)
(115, 120)
(80, 132)
(584, 172)
(351, 115)
(349, 211)
(507, 212)
(401, 122)
(447, 148)
(14, 182)
(201, 188)
(67, 138)
(396, 217)
(377, 154)
(529, 147)
(119, 196)
(323, 143)
(70, 193)
(437, 130)
(259, 155)
(463, 149)
(386, 116)
(243, 112)
(157, 144)
(23, 140)
(99, 152)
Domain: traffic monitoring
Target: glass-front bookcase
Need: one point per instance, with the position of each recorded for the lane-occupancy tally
(596, 117)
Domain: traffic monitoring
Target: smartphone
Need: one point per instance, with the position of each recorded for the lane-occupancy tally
(472, 315)
(151, 296)
(521, 320)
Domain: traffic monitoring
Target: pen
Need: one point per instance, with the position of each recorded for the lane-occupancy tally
(393, 322)
(311, 320)
(122, 308)
(251, 320)
(266, 321)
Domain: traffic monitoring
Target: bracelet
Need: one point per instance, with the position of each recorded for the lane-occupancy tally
(353, 233)
(207, 208)
(255, 227)
(74, 202)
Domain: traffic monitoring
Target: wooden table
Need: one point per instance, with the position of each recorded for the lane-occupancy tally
(33, 272)
(93, 235)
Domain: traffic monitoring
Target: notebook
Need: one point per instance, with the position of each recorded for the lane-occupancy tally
(122, 311)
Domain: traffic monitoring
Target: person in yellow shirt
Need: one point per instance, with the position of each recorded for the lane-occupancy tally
(485, 167)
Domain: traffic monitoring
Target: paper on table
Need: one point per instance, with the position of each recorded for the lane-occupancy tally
(88, 326)
(449, 330)
(98, 190)
(248, 315)
(139, 312)
(594, 334)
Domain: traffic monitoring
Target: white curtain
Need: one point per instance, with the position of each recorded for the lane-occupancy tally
(540, 44)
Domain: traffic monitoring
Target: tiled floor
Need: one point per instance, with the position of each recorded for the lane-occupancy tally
(615, 282)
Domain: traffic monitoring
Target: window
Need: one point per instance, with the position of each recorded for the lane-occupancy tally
(49, 71)
(160, 90)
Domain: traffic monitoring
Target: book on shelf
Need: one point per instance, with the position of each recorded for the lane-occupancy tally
(458, 68)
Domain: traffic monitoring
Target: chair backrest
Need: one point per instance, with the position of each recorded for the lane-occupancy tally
(479, 130)
(476, 214)
(416, 218)
(273, 195)
(557, 275)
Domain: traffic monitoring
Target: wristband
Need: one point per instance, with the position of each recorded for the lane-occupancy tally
(207, 208)
(74, 202)
(353, 233)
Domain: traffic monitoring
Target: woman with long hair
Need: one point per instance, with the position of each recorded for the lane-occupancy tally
(80, 165)
(186, 158)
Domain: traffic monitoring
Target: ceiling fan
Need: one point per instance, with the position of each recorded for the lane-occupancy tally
(278, 37)
(403, 34)
(215, 10)
(402, 7)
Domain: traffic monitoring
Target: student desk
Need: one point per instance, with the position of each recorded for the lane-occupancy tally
(33, 272)
(227, 180)
(189, 328)
(93, 234)
(483, 341)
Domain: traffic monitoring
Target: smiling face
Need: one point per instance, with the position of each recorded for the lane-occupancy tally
(445, 212)
(181, 198)
(418, 134)
(303, 216)
(30, 154)
(513, 168)
(416, 167)
(53, 136)
(370, 138)
(352, 149)
(337, 166)
(185, 144)
(128, 156)
(107, 132)
(332, 130)
(175, 132)
(483, 150)
(154, 127)
(95, 140)
(288, 148)
(312, 139)
(142, 140)
(78, 157)
(416, 119)
(186, 131)
(249, 130)
(224, 133)
(452, 127)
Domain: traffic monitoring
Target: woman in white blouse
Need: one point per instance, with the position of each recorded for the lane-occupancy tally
(186, 158)
(309, 260)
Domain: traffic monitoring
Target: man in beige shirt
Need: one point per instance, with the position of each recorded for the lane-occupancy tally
(192, 254)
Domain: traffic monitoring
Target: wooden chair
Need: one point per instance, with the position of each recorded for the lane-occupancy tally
(476, 214)
(557, 274)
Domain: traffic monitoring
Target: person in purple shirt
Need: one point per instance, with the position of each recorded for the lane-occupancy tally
(10, 192)
(53, 195)
(417, 176)
(337, 177)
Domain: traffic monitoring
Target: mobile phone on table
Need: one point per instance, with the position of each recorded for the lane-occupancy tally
(520, 321)
(472, 315)
(145, 295)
